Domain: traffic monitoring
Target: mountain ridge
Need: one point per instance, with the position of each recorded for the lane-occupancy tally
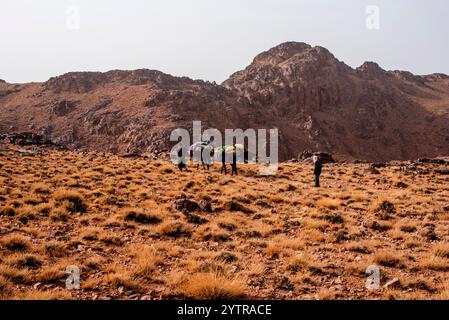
(318, 102)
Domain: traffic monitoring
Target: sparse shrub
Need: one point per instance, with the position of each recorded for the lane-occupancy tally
(328, 203)
(359, 248)
(31, 201)
(420, 284)
(140, 216)
(111, 200)
(173, 229)
(442, 250)
(123, 279)
(55, 249)
(73, 201)
(166, 169)
(213, 286)
(408, 228)
(7, 211)
(384, 209)
(51, 274)
(16, 275)
(297, 262)
(94, 263)
(26, 261)
(388, 259)
(111, 239)
(226, 257)
(229, 226)
(40, 188)
(44, 209)
(5, 287)
(215, 235)
(435, 263)
(334, 218)
(189, 184)
(90, 234)
(15, 242)
(145, 260)
(59, 214)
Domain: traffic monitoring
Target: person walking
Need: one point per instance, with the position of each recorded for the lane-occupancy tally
(318, 165)
(234, 161)
(182, 160)
(223, 161)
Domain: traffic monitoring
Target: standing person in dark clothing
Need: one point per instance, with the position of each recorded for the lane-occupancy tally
(182, 160)
(234, 161)
(223, 161)
(317, 170)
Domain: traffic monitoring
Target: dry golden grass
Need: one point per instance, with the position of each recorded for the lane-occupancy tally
(265, 237)
(328, 203)
(72, 201)
(43, 295)
(212, 286)
(15, 242)
(145, 261)
(388, 259)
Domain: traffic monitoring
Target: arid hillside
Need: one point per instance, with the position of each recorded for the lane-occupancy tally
(139, 229)
(317, 102)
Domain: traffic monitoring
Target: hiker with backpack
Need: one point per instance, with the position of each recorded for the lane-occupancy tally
(318, 165)
(182, 160)
(223, 161)
(234, 161)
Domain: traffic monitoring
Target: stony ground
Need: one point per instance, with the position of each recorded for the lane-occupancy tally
(139, 229)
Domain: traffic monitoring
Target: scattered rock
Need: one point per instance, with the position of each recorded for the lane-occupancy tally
(283, 283)
(25, 139)
(186, 205)
(234, 205)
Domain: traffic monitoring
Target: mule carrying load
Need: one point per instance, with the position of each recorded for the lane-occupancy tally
(228, 151)
(202, 152)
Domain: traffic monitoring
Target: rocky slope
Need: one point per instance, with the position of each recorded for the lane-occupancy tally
(316, 101)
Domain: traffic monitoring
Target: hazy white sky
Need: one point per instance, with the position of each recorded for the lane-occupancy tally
(211, 39)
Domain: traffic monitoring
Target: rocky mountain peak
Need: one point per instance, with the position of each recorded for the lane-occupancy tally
(371, 70)
(317, 102)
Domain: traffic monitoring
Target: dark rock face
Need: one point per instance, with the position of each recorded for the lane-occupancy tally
(64, 107)
(317, 102)
(25, 139)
